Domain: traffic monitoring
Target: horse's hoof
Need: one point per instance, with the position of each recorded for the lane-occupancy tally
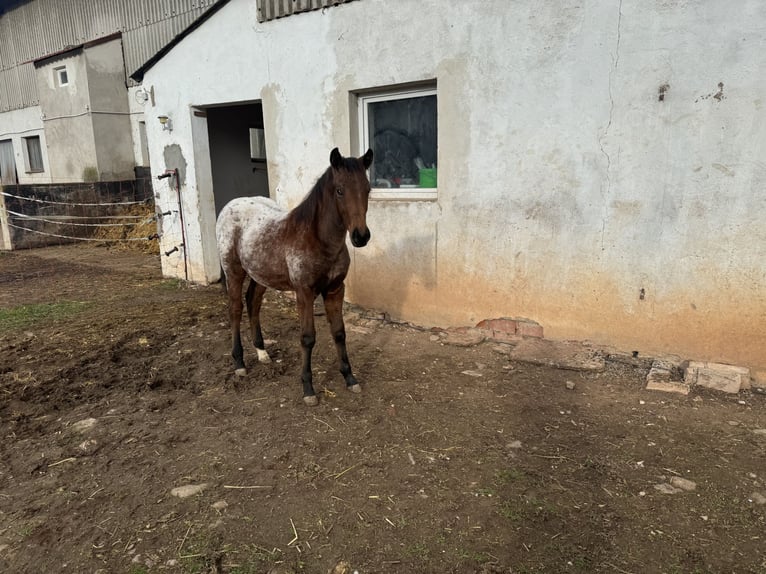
(240, 372)
(311, 400)
(357, 388)
(263, 356)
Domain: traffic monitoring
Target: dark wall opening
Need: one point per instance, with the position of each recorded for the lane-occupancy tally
(237, 156)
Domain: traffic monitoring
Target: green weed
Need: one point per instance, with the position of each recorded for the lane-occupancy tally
(26, 315)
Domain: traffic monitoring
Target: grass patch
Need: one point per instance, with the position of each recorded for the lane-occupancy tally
(172, 284)
(26, 315)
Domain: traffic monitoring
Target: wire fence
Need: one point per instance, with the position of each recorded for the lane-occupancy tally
(117, 212)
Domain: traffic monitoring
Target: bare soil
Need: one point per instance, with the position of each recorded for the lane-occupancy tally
(451, 460)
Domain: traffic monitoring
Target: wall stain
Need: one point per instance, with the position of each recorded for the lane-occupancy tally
(662, 91)
(723, 169)
(718, 96)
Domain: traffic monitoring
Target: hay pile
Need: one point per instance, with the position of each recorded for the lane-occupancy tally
(117, 237)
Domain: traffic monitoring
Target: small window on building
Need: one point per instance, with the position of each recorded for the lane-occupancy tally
(62, 78)
(33, 155)
(401, 128)
(257, 144)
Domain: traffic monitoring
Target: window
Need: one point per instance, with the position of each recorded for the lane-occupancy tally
(7, 163)
(401, 128)
(33, 154)
(62, 78)
(257, 144)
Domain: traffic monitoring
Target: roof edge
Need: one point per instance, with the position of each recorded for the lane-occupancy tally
(138, 74)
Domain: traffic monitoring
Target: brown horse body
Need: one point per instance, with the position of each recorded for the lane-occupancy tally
(303, 250)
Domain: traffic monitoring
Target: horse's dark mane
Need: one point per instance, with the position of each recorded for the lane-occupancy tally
(305, 212)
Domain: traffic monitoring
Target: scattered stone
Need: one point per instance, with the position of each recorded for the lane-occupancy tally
(220, 505)
(758, 498)
(665, 488)
(472, 373)
(683, 483)
(760, 431)
(88, 446)
(464, 337)
(666, 375)
(360, 330)
(733, 423)
(559, 354)
(717, 376)
(188, 490)
(171, 562)
(341, 567)
(570, 385)
(502, 348)
(434, 338)
(514, 445)
(84, 425)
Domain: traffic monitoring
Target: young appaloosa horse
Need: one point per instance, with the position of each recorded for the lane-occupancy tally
(303, 251)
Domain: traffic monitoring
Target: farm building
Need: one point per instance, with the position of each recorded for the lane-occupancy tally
(69, 112)
(594, 168)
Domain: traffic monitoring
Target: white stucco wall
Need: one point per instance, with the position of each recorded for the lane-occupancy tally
(566, 184)
(18, 124)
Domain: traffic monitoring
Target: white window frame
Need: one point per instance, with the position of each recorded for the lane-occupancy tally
(407, 194)
(61, 71)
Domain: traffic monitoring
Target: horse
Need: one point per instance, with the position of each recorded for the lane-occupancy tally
(303, 250)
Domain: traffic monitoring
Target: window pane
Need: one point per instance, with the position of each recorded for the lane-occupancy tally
(62, 76)
(7, 163)
(257, 144)
(402, 133)
(34, 153)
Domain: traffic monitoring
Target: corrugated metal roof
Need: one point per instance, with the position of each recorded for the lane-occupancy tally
(38, 28)
(272, 9)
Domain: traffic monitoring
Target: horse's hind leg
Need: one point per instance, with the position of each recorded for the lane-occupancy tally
(253, 299)
(234, 281)
(333, 304)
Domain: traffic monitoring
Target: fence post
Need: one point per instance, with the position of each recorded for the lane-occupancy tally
(5, 231)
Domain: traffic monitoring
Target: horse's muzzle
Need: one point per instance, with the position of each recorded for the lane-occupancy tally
(360, 239)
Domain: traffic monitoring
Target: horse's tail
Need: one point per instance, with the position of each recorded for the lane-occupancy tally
(223, 281)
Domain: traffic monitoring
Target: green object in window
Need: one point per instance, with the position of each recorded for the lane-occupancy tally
(428, 177)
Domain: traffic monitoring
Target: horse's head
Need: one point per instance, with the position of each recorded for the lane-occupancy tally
(351, 189)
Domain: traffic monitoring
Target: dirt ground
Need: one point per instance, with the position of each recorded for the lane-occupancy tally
(116, 387)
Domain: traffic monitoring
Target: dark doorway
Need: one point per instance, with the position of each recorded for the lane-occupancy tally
(237, 152)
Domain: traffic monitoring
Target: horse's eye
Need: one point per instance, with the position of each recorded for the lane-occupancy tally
(339, 190)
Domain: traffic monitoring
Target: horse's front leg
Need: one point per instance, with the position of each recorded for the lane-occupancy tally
(333, 304)
(305, 299)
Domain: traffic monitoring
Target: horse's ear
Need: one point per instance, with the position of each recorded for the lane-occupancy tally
(367, 158)
(336, 160)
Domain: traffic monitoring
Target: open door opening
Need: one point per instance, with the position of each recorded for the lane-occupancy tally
(237, 152)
